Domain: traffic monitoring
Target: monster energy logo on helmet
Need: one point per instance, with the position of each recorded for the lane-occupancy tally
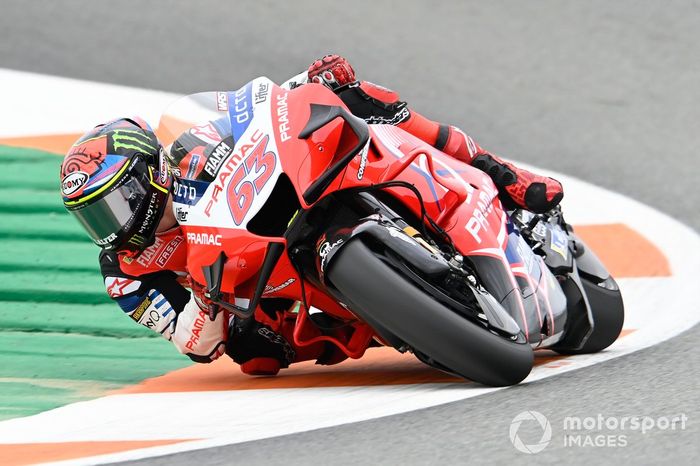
(137, 140)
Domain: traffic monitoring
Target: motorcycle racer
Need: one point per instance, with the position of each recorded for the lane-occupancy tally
(117, 181)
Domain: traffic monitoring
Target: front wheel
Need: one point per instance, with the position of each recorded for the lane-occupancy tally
(384, 298)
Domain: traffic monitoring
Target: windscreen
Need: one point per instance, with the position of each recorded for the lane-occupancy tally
(192, 111)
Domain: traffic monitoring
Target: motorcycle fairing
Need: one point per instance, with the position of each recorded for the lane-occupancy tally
(516, 277)
(215, 216)
(542, 296)
(259, 118)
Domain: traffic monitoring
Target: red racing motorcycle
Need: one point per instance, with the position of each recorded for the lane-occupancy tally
(381, 232)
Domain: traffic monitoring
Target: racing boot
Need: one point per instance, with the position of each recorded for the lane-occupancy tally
(517, 187)
(525, 189)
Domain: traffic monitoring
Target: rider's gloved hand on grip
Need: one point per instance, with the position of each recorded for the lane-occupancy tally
(333, 71)
(256, 346)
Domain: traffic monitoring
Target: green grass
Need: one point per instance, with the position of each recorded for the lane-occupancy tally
(62, 339)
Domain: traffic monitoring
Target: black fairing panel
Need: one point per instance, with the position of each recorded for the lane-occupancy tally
(497, 281)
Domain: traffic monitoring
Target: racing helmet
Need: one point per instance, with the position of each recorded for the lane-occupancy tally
(116, 181)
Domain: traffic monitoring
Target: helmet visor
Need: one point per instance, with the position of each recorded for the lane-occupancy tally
(107, 218)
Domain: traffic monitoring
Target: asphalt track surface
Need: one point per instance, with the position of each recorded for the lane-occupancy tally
(605, 91)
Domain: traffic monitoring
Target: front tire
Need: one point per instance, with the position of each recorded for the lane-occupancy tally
(382, 297)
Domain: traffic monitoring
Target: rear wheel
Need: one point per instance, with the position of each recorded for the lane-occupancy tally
(383, 297)
(608, 317)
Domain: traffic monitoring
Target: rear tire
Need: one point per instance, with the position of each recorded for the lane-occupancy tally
(608, 316)
(380, 295)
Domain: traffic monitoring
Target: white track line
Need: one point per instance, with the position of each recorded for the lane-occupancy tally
(659, 308)
(35, 104)
(238, 416)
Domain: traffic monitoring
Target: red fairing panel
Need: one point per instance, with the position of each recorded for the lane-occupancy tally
(477, 224)
(269, 147)
(312, 156)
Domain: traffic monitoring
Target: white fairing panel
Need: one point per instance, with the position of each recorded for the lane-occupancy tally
(246, 174)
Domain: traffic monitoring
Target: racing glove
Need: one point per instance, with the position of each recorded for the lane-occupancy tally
(333, 71)
(257, 348)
